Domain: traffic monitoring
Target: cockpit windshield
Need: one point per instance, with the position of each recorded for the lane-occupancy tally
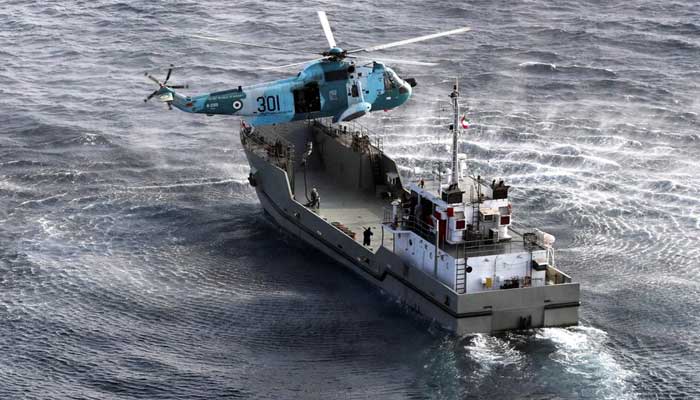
(391, 80)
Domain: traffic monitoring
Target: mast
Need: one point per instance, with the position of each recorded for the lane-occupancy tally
(454, 181)
(453, 194)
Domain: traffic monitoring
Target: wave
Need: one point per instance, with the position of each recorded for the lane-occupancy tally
(574, 71)
(39, 134)
(582, 353)
(683, 28)
(562, 34)
(493, 352)
(548, 56)
(537, 67)
(121, 8)
(565, 160)
(195, 184)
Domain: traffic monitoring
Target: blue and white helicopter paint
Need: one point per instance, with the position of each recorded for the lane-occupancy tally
(329, 86)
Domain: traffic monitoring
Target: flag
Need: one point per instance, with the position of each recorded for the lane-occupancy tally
(465, 122)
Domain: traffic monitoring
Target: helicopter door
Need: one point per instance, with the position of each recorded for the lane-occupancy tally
(307, 99)
(355, 91)
(355, 94)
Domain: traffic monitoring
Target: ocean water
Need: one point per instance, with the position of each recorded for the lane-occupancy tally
(136, 262)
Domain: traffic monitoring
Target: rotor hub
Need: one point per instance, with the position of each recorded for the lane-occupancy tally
(335, 52)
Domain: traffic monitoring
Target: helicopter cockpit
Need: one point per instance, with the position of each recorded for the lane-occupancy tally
(391, 80)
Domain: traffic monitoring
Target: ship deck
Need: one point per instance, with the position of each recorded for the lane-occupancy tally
(352, 209)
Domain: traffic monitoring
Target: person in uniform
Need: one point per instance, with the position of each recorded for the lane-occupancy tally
(367, 240)
(315, 201)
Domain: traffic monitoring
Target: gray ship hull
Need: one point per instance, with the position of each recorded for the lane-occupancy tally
(484, 312)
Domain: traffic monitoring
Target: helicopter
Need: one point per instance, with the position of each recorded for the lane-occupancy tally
(333, 85)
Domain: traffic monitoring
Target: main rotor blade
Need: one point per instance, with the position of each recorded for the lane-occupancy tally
(150, 96)
(261, 46)
(167, 77)
(394, 60)
(149, 76)
(413, 40)
(326, 28)
(292, 65)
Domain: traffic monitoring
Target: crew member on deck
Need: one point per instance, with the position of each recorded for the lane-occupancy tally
(315, 201)
(367, 237)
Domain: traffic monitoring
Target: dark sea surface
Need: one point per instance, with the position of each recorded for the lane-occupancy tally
(136, 262)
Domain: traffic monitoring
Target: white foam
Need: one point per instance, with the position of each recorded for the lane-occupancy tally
(536, 64)
(39, 201)
(491, 352)
(581, 351)
(10, 187)
(189, 184)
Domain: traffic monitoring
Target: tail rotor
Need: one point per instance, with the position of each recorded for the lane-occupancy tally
(166, 95)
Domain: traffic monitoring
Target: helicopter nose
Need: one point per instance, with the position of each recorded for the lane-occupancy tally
(411, 81)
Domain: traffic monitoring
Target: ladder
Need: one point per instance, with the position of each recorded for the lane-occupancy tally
(475, 216)
(461, 278)
(380, 143)
(375, 161)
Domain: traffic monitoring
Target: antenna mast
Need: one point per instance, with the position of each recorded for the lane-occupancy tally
(454, 181)
(453, 194)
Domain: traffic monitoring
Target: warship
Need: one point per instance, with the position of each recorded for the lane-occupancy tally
(451, 252)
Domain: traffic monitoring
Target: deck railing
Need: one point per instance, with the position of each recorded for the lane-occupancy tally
(348, 132)
(408, 223)
(471, 248)
(279, 151)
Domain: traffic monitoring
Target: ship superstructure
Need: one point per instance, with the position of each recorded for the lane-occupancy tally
(451, 252)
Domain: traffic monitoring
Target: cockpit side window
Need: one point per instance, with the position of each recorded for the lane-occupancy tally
(389, 82)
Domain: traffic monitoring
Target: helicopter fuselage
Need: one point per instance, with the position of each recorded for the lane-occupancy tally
(328, 88)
